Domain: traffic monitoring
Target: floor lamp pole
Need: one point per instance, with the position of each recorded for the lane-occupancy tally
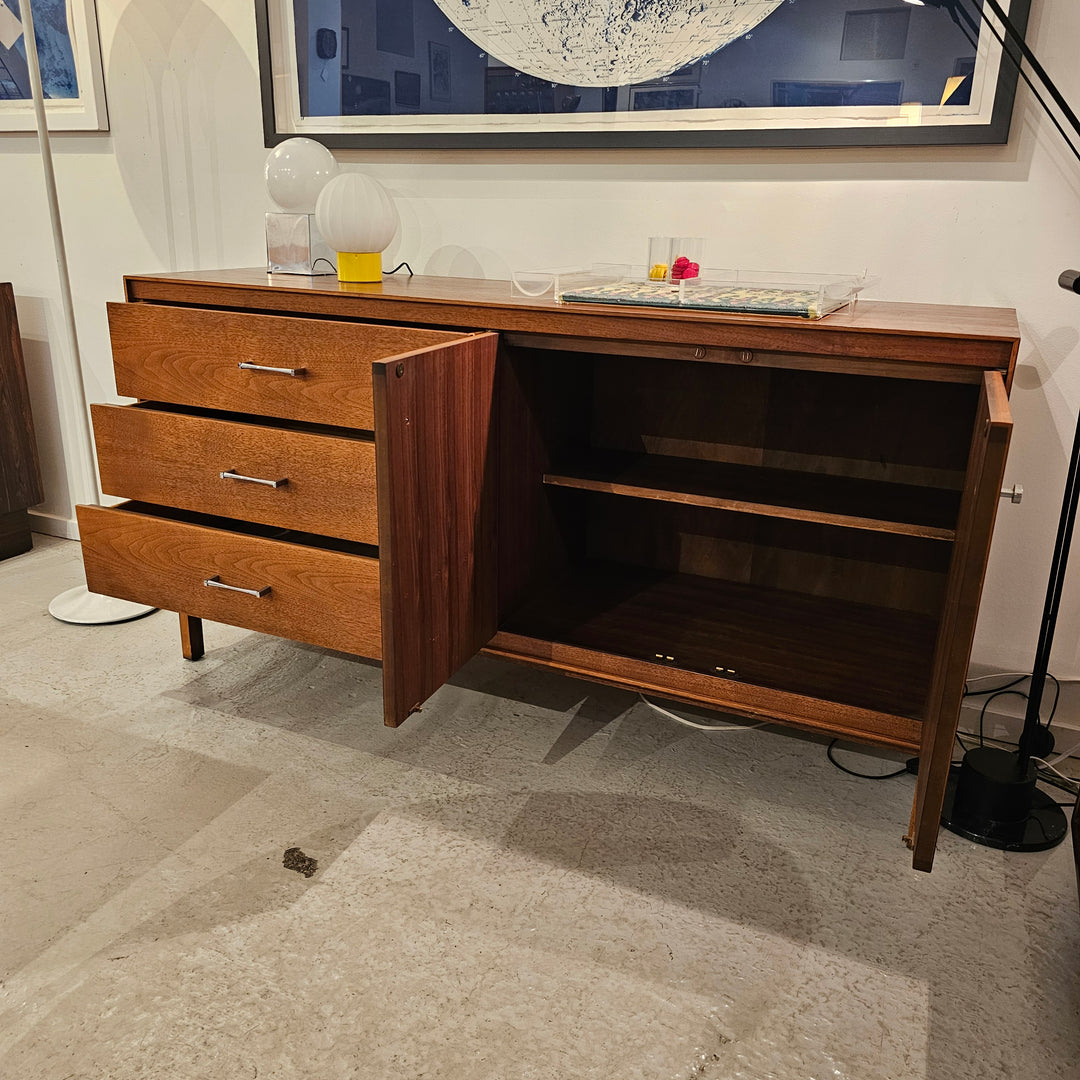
(992, 799)
(77, 605)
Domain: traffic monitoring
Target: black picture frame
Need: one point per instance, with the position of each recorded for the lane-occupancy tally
(407, 89)
(440, 86)
(996, 130)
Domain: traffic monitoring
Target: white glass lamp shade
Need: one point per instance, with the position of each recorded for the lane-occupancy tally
(358, 219)
(296, 171)
(603, 42)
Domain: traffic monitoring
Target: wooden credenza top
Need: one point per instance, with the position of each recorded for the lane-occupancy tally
(932, 333)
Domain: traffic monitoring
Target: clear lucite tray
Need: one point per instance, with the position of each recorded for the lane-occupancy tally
(757, 292)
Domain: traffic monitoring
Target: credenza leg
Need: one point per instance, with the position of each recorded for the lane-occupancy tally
(191, 637)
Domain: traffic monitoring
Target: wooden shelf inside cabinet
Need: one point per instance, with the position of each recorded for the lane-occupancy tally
(904, 509)
(857, 654)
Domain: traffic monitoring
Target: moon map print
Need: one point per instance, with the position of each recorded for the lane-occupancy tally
(603, 42)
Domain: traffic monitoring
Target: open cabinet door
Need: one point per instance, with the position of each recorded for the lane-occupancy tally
(978, 508)
(435, 465)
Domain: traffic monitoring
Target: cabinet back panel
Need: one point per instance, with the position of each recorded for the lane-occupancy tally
(847, 425)
(898, 572)
(545, 403)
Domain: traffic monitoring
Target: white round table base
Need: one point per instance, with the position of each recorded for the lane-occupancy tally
(84, 608)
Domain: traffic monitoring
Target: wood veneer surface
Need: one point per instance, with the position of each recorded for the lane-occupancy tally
(836, 650)
(922, 333)
(192, 356)
(435, 474)
(174, 459)
(20, 475)
(325, 597)
(836, 500)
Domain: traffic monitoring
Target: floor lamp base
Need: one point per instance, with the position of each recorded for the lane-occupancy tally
(84, 608)
(990, 801)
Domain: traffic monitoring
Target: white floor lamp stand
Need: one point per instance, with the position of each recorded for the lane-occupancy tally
(77, 605)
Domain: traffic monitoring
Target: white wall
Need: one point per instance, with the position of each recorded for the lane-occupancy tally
(177, 185)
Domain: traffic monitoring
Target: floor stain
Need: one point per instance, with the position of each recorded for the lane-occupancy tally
(296, 860)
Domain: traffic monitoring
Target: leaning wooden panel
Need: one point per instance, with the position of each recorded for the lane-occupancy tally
(325, 597)
(435, 468)
(20, 475)
(978, 509)
(298, 369)
(307, 480)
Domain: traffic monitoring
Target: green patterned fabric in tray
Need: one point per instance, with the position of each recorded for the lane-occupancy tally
(745, 299)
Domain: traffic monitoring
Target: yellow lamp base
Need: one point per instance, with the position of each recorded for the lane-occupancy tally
(359, 266)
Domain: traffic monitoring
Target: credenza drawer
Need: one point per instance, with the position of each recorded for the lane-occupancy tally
(297, 586)
(295, 479)
(315, 370)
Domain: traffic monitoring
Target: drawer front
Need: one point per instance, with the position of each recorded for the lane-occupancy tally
(303, 369)
(325, 483)
(327, 598)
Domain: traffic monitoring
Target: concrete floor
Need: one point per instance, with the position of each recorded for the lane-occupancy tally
(535, 878)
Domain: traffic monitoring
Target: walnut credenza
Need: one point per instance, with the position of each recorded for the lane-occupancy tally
(781, 519)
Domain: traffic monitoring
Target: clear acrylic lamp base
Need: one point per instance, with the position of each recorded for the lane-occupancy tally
(84, 608)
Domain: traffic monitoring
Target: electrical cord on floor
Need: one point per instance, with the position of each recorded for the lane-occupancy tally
(700, 727)
(1046, 743)
(862, 776)
(993, 695)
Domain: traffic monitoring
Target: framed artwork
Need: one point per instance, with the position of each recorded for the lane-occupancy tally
(407, 89)
(439, 72)
(70, 57)
(693, 73)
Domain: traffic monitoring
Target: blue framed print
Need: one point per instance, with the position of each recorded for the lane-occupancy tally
(695, 73)
(70, 57)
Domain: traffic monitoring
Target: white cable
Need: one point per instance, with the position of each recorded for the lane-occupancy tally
(1056, 772)
(700, 727)
(999, 675)
(1061, 757)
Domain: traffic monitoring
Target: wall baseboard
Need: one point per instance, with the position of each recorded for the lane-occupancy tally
(53, 525)
(1007, 721)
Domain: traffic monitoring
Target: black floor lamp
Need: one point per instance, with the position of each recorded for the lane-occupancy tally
(993, 799)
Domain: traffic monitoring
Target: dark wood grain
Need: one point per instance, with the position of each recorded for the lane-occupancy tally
(190, 357)
(814, 646)
(20, 473)
(747, 489)
(327, 598)
(978, 509)
(918, 333)
(175, 459)
(15, 535)
(544, 402)
(191, 637)
(877, 568)
(749, 358)
(724, 695)
(434, 439)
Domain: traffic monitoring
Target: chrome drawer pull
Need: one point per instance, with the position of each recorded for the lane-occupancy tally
(216, 583)
(232, 475)
(295, 372)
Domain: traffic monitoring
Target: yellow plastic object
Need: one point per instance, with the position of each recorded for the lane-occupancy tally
(658, 272)
(359, 266)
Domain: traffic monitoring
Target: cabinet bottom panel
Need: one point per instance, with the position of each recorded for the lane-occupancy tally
(724, 695)
(858, 655)
(323, 595)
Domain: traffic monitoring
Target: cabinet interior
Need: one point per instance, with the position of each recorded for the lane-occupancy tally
(790, 528)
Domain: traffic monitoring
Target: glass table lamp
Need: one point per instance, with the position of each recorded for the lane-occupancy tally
(296, 171)
(358, 219)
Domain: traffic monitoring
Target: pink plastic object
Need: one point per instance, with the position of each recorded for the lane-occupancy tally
(684, 268)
